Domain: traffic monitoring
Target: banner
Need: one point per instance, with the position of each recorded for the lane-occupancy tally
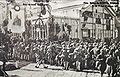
(17, 21)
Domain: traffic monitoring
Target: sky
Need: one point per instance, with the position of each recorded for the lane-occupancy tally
(63, 3)
(59, 3)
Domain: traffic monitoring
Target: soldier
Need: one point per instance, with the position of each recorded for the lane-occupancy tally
(65, 57)
(40, 56)
(27, 50)
(102, 62)
(112, 62)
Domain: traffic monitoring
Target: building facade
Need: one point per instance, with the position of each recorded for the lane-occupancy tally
(75, 20)
(69, 15)
(88, 21)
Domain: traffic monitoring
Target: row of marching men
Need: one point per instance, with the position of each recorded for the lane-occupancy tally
(80, 56)
(75, 55)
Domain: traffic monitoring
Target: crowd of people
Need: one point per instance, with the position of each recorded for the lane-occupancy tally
(77, 55)
(70, 54)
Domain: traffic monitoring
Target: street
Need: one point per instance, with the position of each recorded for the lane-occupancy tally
(51, 71)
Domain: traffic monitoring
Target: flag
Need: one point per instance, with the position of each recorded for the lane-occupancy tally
(108, 24)
(43, 10)
(85, 18)
(107, 16)
(83, 25)
(98, 20)
(88, 14)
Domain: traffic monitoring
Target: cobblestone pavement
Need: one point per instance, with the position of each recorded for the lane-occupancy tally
(51, 71)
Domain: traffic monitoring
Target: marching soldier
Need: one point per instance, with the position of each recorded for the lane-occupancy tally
(102, 62)
(40, 56)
